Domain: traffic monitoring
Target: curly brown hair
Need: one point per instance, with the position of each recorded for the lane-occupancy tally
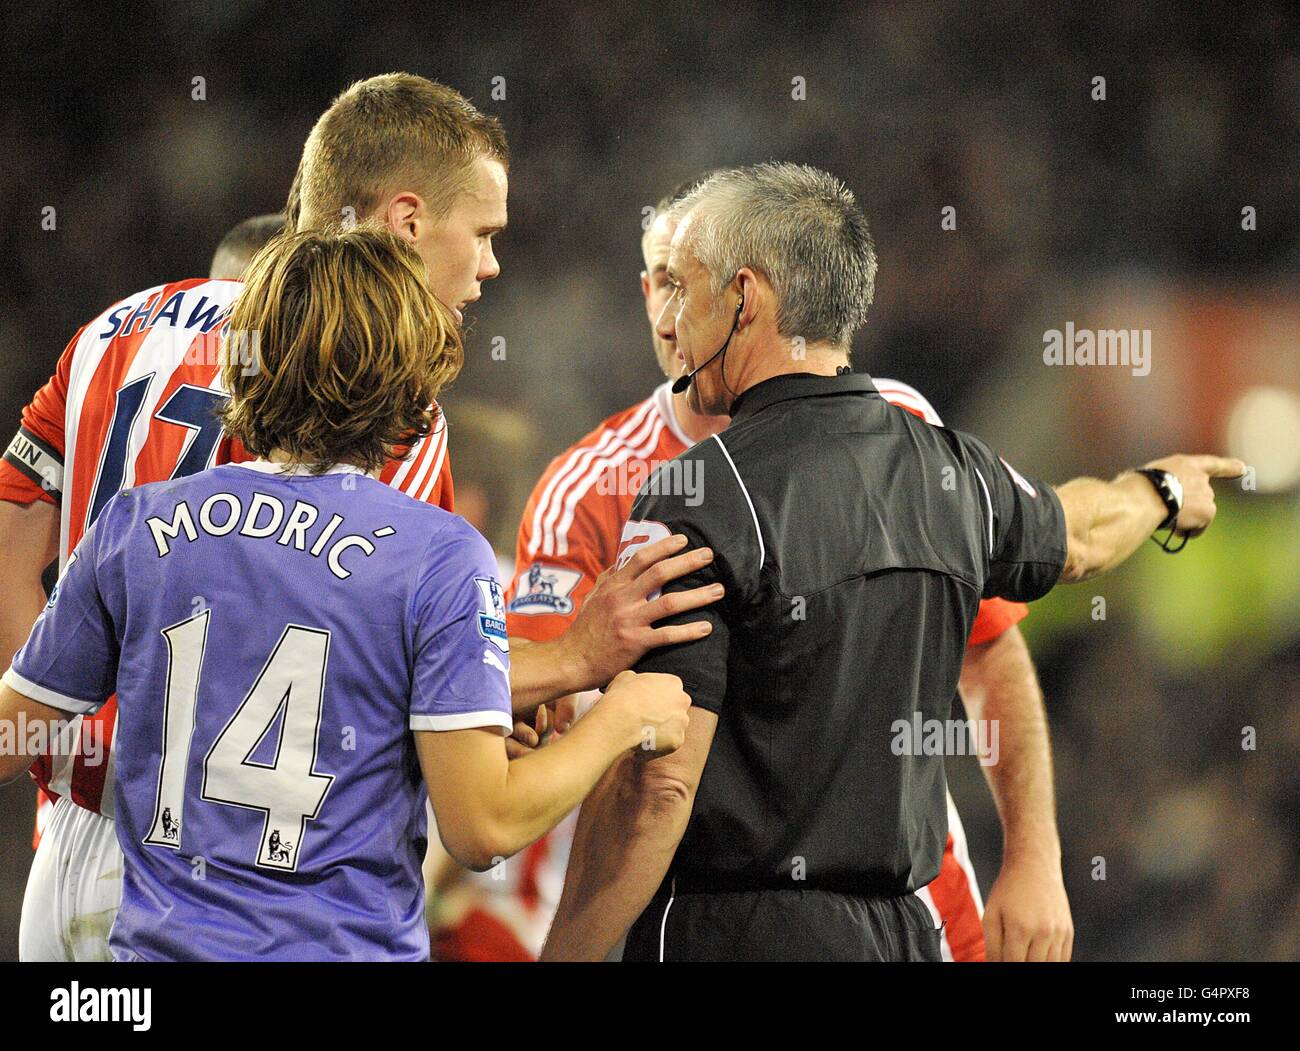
(336, 350)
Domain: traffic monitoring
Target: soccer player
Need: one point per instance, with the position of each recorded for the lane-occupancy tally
(275, 630)
(570, 532)
(132, 401)
(31, 471)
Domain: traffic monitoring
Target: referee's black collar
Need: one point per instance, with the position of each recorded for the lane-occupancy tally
(798, 385)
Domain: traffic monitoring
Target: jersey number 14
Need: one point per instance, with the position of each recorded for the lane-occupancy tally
(288, 790)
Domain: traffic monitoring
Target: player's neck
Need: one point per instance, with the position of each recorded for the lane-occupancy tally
(280, 456)
(694, 425)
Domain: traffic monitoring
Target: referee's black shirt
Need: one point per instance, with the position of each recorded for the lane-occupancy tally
(855, 541)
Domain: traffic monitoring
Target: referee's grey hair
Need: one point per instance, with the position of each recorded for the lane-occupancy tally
(802, 229)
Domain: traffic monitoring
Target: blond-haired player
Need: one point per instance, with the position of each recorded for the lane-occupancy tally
(133, 400)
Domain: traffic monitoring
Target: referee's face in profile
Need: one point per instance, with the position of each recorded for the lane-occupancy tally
(698, 322)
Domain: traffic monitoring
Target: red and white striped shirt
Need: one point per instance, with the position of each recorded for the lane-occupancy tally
(131, 401)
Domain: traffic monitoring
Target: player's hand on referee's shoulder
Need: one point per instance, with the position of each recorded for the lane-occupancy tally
(613, 629)
(1195, 472)
(656, 710)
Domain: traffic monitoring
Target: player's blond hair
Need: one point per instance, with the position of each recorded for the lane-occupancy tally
(387, 134)
(336, 349)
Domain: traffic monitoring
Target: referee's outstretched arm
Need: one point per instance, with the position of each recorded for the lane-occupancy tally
(1107, 521)
(1040, 535)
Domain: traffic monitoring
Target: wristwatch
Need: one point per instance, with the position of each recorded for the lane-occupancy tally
(1170, 490)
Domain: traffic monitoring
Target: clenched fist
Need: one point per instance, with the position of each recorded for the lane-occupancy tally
(655, 708)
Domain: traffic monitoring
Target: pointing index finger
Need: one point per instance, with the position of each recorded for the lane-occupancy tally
(1221, 466)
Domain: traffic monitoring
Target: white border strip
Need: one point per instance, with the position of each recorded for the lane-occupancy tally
(663, 925)
(462, 721)
(762, 551)
(663, 397)
(36, 692)
(988, 500)
(294, 470)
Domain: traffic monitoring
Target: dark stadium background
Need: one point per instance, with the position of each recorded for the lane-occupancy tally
(1123, 213)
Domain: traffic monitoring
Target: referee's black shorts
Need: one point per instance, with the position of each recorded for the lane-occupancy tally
(779, 925)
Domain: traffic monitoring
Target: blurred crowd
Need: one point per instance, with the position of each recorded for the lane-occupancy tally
(1098, 160)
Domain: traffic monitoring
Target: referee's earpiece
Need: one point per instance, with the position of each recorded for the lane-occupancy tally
(683, 381)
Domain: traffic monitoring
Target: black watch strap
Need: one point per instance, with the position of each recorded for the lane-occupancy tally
(1160, 480)
(1173, 503)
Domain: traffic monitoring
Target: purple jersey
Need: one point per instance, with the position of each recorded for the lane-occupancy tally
(273, 640)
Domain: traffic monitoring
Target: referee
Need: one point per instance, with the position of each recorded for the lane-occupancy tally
(852, 543)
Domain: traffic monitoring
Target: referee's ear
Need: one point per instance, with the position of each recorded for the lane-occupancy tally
(751, 288)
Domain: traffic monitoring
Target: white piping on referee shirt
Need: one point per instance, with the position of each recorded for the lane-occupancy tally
(663, 924)
(762, 551)
(989, 501)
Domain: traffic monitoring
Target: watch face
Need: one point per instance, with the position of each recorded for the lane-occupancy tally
(1175, 487)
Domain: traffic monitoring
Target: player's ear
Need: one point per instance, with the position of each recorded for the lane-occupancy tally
(404, 215)
(645, 293)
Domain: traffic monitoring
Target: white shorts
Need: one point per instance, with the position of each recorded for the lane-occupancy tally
(73, 890)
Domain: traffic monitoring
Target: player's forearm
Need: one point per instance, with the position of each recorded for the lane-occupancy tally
(1106, 522)
(28, 543)
(540, 788)
(16, 711)
(441, 871)
(541, 672)
(628, 831)
(24, 599)
(14, 759)
(1000, 687)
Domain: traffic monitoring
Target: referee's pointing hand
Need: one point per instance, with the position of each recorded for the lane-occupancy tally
(1195, 472)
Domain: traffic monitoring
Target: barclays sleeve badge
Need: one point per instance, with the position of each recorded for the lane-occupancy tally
(492, 621)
